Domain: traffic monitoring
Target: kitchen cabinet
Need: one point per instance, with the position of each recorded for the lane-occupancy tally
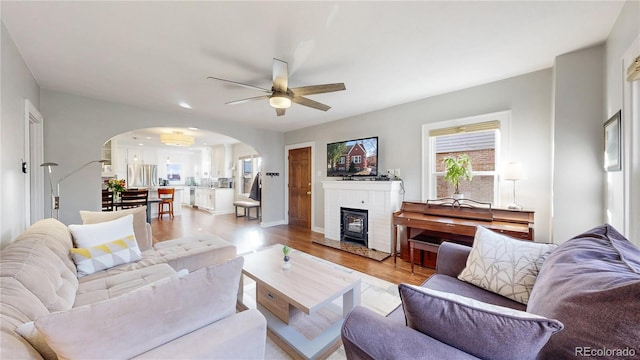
(186, 195)
(221, 161)
(215, 200)
(205, 198)
(224, 201)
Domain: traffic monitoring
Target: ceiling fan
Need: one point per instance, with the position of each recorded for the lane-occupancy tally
(281, 96)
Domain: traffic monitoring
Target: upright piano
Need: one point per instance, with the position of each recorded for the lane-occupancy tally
(453, 220)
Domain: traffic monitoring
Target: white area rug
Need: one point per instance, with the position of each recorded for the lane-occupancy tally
(378, 295)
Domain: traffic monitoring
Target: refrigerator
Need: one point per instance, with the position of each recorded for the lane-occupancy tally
(140, 175)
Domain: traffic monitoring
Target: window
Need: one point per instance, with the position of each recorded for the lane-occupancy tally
(481, 138)
(249, 167)
(174, 172)
(356, 159)
(480, 147)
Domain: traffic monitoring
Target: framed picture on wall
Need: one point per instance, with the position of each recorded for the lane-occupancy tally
(613, 143)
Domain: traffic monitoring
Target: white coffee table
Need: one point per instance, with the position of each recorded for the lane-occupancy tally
(309, 286)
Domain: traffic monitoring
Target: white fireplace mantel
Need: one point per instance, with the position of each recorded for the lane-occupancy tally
(379, 198)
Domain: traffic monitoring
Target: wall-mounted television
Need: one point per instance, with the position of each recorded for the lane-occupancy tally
(358, 157)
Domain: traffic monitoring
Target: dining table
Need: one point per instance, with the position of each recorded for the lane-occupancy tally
(150, 202)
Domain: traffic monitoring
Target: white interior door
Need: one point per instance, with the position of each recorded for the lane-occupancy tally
(34, 156)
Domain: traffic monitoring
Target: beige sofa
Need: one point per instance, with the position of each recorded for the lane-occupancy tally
(146, 309)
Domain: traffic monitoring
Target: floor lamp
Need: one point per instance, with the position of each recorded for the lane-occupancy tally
(513, 172)
(54, 198)
(57, 197)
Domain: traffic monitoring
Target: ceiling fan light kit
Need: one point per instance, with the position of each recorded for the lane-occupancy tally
(280, 101)
(176, 138)
(281, 96)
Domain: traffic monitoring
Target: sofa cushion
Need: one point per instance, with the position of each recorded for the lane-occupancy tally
(143, 237)
(193, 252)
(108, 287)
(481, 329)
(504, 265)
(592, 284)
(105, 256)
(29, 332)
(31, 262)
(129, 325)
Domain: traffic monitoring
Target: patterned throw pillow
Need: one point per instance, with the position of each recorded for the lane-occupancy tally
(504, 265)
(91, 259)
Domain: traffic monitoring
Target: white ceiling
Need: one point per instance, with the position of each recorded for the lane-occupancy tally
(157, 54)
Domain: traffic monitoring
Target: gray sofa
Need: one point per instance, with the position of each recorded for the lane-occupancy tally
(590, 283)
(151, 308)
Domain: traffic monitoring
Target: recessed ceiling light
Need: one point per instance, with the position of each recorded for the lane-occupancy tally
(184, 105)
(193, 128)
(148, 137)
(140, 144)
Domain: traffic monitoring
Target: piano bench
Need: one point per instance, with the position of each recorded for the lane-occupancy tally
(422, 242)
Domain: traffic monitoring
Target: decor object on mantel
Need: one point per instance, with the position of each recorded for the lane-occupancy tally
(286, 264)
(513, 172)
(457, 168)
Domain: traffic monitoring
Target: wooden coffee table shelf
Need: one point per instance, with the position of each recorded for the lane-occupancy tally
(307, 289)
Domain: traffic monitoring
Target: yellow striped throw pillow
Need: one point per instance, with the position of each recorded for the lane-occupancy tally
(104, 256)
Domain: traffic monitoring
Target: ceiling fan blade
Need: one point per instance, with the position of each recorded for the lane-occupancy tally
(235, 102)
(310, 103)
(317, 89)
(241, 84)
(280, 75)
(280, 112)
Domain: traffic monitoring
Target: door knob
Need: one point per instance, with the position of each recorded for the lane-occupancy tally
(308, 192)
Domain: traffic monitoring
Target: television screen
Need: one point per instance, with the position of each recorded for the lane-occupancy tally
(357, 157)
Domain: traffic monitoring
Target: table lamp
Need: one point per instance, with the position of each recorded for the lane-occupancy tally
(513, 172)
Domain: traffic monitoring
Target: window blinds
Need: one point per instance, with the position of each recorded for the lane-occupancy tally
(483, 126)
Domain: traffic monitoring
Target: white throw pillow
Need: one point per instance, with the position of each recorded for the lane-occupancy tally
(139, 222)
(104, 245)
(95, 258)
(89, 235)
(504, 265)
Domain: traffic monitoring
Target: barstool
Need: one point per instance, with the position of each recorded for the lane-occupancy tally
(166, 198)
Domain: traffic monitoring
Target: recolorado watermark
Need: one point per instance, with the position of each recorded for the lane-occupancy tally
(599, 352)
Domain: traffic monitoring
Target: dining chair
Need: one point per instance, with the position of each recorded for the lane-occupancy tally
(107, 200)
(132, 198)
(166, 198)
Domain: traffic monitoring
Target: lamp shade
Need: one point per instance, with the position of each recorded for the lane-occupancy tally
(176, 138)
(513, 171)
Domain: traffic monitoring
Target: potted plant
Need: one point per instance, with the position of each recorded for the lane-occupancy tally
(457, 168)
(286, 250)
(116, 186)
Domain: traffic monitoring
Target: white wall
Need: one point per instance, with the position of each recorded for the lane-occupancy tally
(76, 127)
(578, 142)
(625, 30)
(17, 84)
(399, 130)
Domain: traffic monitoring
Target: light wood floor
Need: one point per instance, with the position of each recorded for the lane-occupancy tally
(247, 235)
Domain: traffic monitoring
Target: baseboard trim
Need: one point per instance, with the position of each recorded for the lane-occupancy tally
(272, 223)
